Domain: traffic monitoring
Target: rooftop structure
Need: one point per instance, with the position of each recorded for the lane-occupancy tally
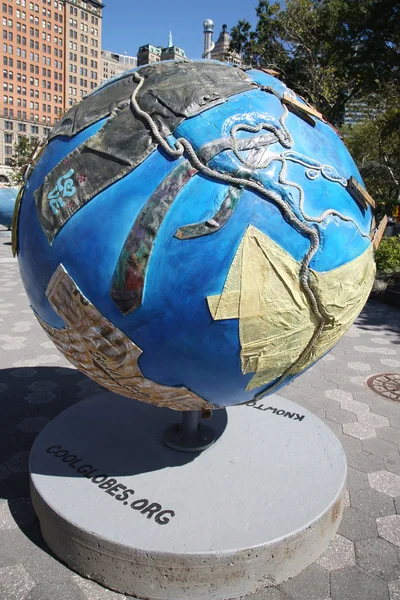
(150, 54)
(113, 64)
(222, 49)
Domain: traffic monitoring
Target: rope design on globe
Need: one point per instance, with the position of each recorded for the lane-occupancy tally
(182, 145)
(287, 142)
(284, 139)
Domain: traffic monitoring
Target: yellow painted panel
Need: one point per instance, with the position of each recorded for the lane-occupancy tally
(276, 321)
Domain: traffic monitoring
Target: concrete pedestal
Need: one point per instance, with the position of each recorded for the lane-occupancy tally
(252, 510)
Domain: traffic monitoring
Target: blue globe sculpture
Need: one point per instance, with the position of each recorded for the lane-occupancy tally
(194, 235)
(7, 203)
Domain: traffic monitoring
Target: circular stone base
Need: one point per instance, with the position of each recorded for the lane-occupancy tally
(194, 441)
(120, 507)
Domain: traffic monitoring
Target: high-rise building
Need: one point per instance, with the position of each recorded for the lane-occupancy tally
(113, 64)
(32, 55)
(357, 111)
(83, 48)
(51, 58)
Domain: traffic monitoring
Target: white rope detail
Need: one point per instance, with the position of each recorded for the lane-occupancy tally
(182, 145)
(287, 142)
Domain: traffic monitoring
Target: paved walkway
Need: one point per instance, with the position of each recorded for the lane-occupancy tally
(363, 560)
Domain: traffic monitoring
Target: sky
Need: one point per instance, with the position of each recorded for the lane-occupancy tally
(128, 24)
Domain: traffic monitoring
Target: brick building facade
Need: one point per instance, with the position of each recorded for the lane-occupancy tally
(51, 58)
(83, 49)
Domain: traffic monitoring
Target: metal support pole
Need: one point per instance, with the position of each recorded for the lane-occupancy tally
(190, 435)
(190, 422)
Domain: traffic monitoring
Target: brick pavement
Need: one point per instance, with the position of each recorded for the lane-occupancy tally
(363, 560)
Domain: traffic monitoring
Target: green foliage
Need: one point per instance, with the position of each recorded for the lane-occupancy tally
(21, 158)
(375, 146)
(336, 52)
(328, 51)
(387, 256)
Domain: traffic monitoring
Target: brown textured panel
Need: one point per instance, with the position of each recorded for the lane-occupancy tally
(376, 240)
(103, 353)
(294, 104)
(359, 193)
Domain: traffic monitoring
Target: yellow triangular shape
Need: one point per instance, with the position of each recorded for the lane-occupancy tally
(276, 322)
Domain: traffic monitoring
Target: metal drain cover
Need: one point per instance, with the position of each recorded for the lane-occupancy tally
(386, 385)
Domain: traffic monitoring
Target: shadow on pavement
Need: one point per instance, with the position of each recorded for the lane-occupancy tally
(377, 315)
(86, 434)
(31, 397)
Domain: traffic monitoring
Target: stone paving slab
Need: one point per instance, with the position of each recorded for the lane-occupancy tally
(363, 560)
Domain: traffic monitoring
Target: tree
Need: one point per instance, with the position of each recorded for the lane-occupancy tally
(388, 255)
(23, 152)
(262, 47)
(329, 51)
(375, 145)
(240, 42)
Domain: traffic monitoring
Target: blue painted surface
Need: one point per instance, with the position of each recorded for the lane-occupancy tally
(7, 203)
(320, 143)
(181, 344)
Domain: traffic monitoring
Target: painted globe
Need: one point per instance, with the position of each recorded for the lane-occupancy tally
(194, 235)
(8, 196)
